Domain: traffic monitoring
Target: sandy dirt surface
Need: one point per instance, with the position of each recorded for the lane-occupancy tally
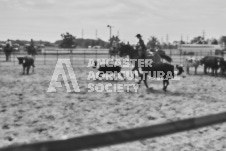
(29, 114)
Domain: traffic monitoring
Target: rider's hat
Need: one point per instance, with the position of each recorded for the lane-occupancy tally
(138, 35)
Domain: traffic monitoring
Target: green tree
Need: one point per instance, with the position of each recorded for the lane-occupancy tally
(214, 42)
(198, 40)
(153, 43)
(114, 38)
(222, 40)
(68, 41)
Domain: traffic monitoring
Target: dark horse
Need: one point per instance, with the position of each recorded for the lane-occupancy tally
(31, 50)
(113, 51)
(156, 57)
(8, 51)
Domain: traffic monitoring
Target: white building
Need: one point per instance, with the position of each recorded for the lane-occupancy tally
(198, 48)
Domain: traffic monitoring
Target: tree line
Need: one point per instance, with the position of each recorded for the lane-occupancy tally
(69, 41)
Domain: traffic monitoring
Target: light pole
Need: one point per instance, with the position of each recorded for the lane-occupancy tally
(110, 31)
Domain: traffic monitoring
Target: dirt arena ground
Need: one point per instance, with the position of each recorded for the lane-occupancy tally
(29, 114)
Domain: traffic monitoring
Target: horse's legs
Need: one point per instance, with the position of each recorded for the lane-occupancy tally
(187, 69)
(100, 75)
(135, 68)
(140, 78)
(123, 76)
(196, 69)
(165, 84)
(145, 80)
(115, 75)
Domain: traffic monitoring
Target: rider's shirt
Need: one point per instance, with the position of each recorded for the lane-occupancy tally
(142, 45)
(9, 43)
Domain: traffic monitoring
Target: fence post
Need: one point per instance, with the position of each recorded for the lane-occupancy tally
(57, 54)
(14, 58)
(84, 56)
(72, 56)
(180, 56)
(44, 57)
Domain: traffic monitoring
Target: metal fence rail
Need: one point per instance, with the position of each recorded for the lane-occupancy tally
(123, 136)
(81, 56)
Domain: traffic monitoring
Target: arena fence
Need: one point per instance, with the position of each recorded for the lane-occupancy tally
(80, 57)
(122, 136)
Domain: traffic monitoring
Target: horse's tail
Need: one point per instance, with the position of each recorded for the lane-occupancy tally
(166, 57)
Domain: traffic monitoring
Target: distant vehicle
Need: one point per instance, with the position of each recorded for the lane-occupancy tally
(96, 47)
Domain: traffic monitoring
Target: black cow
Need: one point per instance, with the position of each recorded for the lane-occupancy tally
(212, 62)
(27, 62)
(223, 67)
(160, 70)
(108, 68)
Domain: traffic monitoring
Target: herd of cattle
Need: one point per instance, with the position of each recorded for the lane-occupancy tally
(213, 63)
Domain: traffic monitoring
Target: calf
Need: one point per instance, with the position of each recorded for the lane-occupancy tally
(166, 70)
(192, 62)
(108, 68)
(27, 62)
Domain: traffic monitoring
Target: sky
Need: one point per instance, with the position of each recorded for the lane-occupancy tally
(48, 19)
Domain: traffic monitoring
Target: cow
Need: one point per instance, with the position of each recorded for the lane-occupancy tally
(27, 62)
(160, 70)
(212, 62)
(108, 68)
(191, 62)
(223, 67)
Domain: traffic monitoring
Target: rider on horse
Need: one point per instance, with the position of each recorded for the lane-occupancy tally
(31, 49)
(141, 47)
(8, 49)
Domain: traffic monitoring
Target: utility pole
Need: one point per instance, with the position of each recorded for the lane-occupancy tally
(82, 33)
(167, 38)
(96, 33)
(110, 30)
(203, 35)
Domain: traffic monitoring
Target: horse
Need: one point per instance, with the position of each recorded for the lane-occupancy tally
(31, 50)
(125, 49)
(113, 52)
(108, 68)
(8, 51)
(192, 62)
